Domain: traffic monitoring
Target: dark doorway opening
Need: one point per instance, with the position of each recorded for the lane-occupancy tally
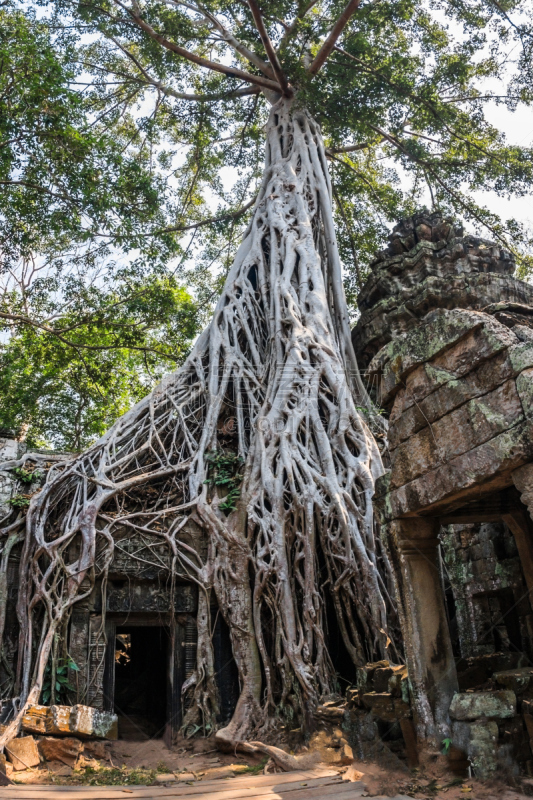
(141, 681)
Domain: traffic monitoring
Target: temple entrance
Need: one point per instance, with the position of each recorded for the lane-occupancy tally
(141, 680)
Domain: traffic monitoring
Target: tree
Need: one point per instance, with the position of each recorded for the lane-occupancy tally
(65, 386)
(263, 438)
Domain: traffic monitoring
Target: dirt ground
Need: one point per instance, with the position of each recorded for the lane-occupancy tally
(198, 759)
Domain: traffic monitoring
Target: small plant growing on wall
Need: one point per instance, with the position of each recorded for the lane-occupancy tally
(224, 471)
(20, 501)
(27, 474)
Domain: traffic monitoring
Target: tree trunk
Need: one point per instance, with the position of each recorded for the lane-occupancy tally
(272, 381)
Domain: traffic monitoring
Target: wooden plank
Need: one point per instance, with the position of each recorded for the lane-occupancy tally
(344, 790)
(215, 785)
(237, 787)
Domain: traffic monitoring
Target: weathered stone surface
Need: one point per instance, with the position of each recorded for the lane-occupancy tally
(499, 456)
(474, 705)
(36, 719)
(96, 749)
(464, 429)
(524, 385)
(437, 333)
(483, 748)
(59, 769)
(59, 720)
(434, 265)
(409, 415)
(384, 706)
(23, 752)
(517, 680)
(65, 749)
(88, 721)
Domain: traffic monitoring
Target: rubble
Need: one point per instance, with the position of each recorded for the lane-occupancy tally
(66, 749)
(23, 752)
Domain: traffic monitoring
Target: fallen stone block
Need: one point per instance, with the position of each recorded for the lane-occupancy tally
(23, 752)
(165, 778)
(58, 720)
(35, 719)
(66, 749)
(517, 680)
(86, 721)
(474, 705)
(95, 749)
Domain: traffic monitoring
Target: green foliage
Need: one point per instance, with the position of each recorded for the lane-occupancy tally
(62, 685)
(115, 776)
(225, 471)
(27, 475)
(406, 89)
(127, 171)
(67, 389)
(20, 501)
(446, 744)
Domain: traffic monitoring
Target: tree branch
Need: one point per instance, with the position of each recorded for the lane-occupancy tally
(231, 72)
(209, 221)
(228, 37)
(168, 90)
(269, 48)
(329, 44)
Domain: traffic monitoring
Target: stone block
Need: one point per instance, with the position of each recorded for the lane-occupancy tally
(381, 704)
(36, 719)
(524, 385)
(500, 455)
(381, 679)
(444, 393)
(517, 680)
(483, 748)
(86, 721)
(23, 752)
(59, 720)
(475, 705)
(365, 675)
(521, 356)
(398, 682)
(95, 749)
(469, 426)
(65, 749)
(437, 333)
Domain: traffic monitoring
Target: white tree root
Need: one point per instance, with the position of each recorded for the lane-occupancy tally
(273, 379)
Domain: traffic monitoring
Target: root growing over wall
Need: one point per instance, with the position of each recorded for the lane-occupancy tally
(267, 400)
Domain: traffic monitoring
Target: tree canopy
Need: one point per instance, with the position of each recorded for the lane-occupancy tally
(131, 147)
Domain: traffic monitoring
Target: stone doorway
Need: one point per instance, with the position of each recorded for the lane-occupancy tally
(143, 674)
(141, 678)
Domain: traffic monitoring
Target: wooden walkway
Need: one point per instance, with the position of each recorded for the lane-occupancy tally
(305, 785)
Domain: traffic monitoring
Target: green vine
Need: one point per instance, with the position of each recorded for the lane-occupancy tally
(27, 475)
(225, 470)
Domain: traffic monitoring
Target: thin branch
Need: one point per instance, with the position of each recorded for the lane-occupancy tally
(231, 72)
(168, 90)
(209, 221)
(269, 48)
(329, 44)
(229, 38)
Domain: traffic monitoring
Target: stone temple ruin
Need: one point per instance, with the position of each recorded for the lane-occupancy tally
(445, 340)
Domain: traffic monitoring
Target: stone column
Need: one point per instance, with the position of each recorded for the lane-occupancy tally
(428, 645)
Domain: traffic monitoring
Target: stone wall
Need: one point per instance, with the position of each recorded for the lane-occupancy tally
(489, 610)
